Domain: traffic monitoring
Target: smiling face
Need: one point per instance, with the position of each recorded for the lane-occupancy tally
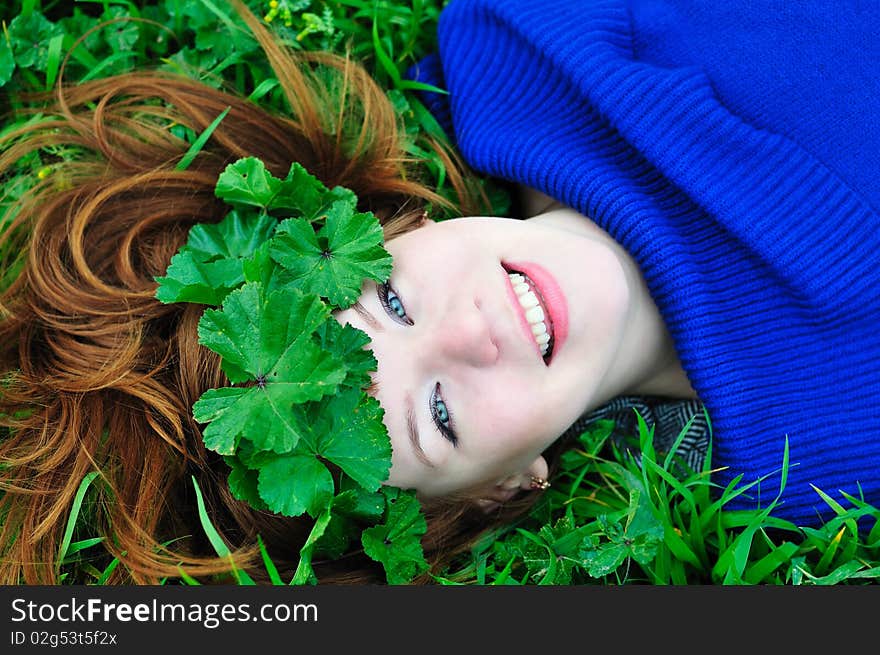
(492, 336)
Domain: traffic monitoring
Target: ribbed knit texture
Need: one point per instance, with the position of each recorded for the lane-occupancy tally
(734, 150)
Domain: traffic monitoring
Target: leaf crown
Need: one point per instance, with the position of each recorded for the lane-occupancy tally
(287, 254)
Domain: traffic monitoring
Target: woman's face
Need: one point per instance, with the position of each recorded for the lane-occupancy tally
(456, 347)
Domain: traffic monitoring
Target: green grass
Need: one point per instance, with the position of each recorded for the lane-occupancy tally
(607, 519)
(610, 520)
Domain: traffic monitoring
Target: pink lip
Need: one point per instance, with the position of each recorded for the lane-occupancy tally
(553, 298)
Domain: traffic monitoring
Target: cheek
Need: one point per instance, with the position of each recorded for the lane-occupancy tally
(514, 419)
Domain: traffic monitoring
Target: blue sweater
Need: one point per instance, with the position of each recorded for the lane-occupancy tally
(734, 151)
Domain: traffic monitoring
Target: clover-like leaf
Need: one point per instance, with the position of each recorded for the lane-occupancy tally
(345, 429)
(396, 543)
(121, 35)
(260, 267)
(296, 419)
(350, 345)
(211, 263)
(358, 443)
(552, 554)
(334, 261)
(301, 194)
(29, 36)
(267, 342)
(7, 61)
(638, 537)
(293, 484)
(602, 559)
(243, 483)
(353, 507)
(247, 182)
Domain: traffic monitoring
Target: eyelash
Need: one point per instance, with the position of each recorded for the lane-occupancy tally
(444, 427)
(384, 290)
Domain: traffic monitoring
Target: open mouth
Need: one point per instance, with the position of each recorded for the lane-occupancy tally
(535, 310)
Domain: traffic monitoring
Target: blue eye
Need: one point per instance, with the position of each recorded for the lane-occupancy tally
(396, 305)
(441, 416)
(392, 304)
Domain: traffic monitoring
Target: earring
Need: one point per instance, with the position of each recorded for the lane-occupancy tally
(538, 483)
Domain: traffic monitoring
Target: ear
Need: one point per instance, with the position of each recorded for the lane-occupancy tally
(537, 469)
(503, 490)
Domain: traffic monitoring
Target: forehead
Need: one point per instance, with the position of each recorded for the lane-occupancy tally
(450, 237)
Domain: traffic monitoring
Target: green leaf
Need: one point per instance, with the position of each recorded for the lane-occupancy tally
(358, 442)
(552, 554)
(29, 36)
(122, 35)
(350, 344)
(267, 341)
(236, 236)
(7, 61)
(638, 537)
(345, 429)
(304, 573)
(188, 279)
(396, 543)
(355, 502)
(255, 333)
(602, 560)
(383, 57)
(247, 182)
(333, 262)
(302, 195)
(352, 508)
(293, 484)
(211, 264)
(77, 546)
(260, 267)
(243, 483)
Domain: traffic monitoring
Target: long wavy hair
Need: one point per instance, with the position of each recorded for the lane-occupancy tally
(97, 375)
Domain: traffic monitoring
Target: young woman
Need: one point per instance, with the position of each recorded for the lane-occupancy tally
(688, 255)
(99, 375)
(725, 159)
(494, 335)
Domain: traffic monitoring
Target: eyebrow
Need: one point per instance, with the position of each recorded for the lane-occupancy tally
(413, 430)
(412, 427)
(365, 314)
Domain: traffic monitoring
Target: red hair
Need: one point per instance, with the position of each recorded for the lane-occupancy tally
(100, 376)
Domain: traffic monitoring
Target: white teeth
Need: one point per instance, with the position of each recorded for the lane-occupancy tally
(534, 313)
(528, 300)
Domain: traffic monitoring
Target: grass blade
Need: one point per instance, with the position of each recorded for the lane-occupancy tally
(53, 63)
(199, 143)
(269, 564)
(74, 514)
(216, 540)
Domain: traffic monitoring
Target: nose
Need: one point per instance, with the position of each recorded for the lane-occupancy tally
(463, 334)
